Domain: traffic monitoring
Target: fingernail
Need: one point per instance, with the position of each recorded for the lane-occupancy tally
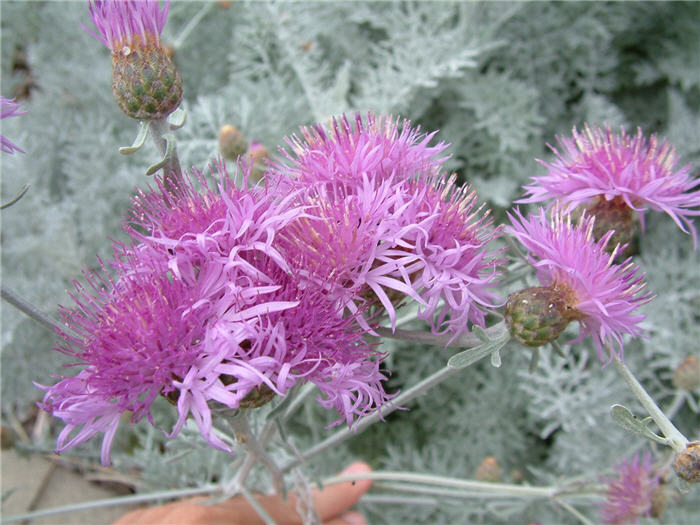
(354, 518)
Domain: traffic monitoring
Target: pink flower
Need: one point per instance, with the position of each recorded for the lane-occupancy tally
(135, 335)
(641, 173)
(344, 153)
(383, 224)
(603, 295)
(206, 311)
(629, 497)
(128, 23)
(351, 243)
(9, 108)
(458, 269)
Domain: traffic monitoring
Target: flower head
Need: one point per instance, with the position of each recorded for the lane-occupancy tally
(206, 311)
(384, 224)
(597, 166)
(145, 81)
(345, 152)
(451, 236)
(630, 495)
(9, 108)
(128, 23)
(136, 335)
(600, 294)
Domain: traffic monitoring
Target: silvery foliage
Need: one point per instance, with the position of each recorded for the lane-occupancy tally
(498, 80)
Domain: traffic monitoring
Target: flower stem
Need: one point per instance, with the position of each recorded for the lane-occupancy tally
(467, 340)
(484, 488)
(30, 310)
(267, 519)
(112, 502)
(677, 441)
(172, 171)
(361, 424)
(403, 398)
(244, 435)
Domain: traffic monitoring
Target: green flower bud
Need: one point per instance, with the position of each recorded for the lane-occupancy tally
(232, 143)
(145, 81)
(536, 316)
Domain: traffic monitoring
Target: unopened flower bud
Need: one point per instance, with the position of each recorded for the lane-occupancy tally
(145, 81)
(536, 316)
(232, 143)
(488, 470)
(687, 463)
(258, 156)
(687, 375)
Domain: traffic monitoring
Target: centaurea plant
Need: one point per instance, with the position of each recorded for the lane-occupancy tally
(237, 289)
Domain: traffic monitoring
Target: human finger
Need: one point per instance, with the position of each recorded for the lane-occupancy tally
(349, 518)
(329, 503)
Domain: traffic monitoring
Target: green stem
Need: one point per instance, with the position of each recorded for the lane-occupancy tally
(486, 489)
(244, 435)
(467, 340)
(113, 502)
(172, 171)
(677, 440)
(258, 507)
(397, 402)
(30, 310)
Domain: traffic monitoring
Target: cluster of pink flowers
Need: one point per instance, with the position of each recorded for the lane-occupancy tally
(224, 292)
(225, 295)
(598, 172)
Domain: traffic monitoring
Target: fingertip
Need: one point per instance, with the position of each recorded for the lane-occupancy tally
(359, 467)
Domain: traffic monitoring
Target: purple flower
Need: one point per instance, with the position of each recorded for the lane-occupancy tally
(384, 225)
(344, 153)
(458, 269)
(207, 312)
(351, 243)
(629, 496)
(9, 108)
(631, 170)
(602, 295)
(135, 335)
(127, 23)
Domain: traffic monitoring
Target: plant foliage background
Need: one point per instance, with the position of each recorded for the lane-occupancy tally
(498, 80)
